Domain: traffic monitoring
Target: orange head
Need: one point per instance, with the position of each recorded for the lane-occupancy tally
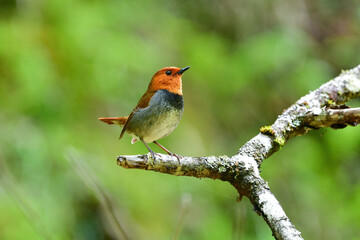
(168, 78)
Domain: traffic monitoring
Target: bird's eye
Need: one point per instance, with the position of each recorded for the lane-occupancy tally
(168, 72)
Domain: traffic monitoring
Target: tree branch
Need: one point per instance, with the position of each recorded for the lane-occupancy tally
(336, 118)
(314, 110)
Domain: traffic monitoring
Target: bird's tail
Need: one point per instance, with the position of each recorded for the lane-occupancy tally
(114, 120)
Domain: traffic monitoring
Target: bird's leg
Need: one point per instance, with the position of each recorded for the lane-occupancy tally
(168, 152)
(151, 151)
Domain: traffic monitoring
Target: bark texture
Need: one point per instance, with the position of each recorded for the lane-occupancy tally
(320, 108)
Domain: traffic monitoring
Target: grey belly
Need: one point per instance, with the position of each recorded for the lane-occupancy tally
(154, 122)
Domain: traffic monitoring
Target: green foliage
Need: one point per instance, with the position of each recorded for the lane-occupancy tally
(65, 63)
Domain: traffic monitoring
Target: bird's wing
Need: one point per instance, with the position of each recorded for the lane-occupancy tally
(143, 103)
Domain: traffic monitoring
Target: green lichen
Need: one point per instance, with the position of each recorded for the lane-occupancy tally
(267, 130)
(294, 124)
(330, 102)
(280, 141)
(306, 104)
(344, 71)
(150, 160)
(222, 169)
(224, 164)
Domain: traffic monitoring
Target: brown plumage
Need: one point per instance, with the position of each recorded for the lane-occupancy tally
(143, 103)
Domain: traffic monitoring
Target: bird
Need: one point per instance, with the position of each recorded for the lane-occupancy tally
(158, 112)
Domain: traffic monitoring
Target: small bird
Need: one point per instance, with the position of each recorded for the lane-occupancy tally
(158, 112)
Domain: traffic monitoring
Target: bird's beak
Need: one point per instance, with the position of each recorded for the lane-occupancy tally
(181, 71)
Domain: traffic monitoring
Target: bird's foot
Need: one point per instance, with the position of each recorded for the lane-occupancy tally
(175, 155)
(153, 155)
(168, 152)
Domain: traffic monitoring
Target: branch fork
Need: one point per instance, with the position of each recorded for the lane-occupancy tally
(320, 108)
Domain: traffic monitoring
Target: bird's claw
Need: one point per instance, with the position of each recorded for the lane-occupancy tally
(153, 156)
(177, 156)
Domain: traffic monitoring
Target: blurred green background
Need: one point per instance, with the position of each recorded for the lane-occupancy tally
(64, 63)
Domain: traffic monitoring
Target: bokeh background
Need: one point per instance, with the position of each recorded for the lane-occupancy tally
(64, 63)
